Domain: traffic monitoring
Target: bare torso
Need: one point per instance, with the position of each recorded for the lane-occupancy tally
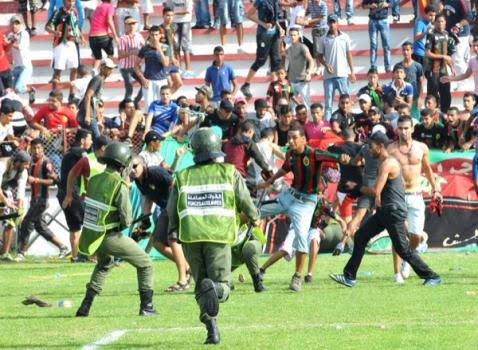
(410, 158)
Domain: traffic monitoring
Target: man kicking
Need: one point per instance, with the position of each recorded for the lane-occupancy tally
(391, 215)
(413, 158)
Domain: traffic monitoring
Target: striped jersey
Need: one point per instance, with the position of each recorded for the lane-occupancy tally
(306, 168)
(130, 43)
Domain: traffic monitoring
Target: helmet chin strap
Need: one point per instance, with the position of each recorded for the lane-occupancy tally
(125, 171)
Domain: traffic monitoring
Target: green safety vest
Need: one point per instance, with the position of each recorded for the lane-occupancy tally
(95, 168)
(207, 204)
(100, 215)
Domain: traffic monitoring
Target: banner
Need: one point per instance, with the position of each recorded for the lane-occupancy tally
(458, 226)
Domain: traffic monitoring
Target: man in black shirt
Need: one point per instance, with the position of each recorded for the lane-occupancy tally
(391, 214)
(224, 118)
(87, 110)
(428, 132)
(74, 210)
(154, 183)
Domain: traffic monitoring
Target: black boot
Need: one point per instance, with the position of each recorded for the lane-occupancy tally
(213, 336)
(207, 297)
(258, 287)
(146, 308)
(84, 309)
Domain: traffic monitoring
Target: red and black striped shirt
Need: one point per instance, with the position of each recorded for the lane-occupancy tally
(306, 167)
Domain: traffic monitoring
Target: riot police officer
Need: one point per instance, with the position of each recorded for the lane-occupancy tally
(202, 207)
(107, 213)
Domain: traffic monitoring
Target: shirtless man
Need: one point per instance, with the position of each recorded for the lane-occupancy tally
(413, 158)
(391, 214)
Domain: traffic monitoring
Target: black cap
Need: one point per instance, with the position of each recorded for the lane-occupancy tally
(152, 136)
(332, 18)
(260, 103)
(227, 106)
(380, 138)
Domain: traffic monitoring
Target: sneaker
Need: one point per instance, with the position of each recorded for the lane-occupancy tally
(350, 22)
(240, 49)
(405, 269)
(188, 74)
(295, 283)
(64, 252)
(6, 257)
(432, 281)
(197, 26)
(20, 257)
(246, 91)
(399, 278)
(396, 19)
(33, 31)
(341, 279)
(146, 28)
(308, 278)
(32, 95)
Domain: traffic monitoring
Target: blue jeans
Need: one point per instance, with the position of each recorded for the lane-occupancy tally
(203, 18)
(349, 8)
(396, 7)
(21, 76)
(330, 85)
(300, 213)
(374, 28)
(415, 8)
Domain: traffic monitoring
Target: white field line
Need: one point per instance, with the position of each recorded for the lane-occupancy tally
(116, 334)
(107, 339)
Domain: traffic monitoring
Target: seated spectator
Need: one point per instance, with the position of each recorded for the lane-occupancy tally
(342, 118)
(224, 118)
(403, 109)
(162, 114)
(428, 132)
(438, 116)
(73, 106)
(281, 134)
(399, 89)
(318, 127)
(455, 130)
(150, 154)
(373, 88)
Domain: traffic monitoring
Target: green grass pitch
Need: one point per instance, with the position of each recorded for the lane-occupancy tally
(376, 314)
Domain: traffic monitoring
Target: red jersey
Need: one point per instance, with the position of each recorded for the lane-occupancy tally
(53, 119)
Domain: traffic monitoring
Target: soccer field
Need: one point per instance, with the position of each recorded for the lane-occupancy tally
(376, 314)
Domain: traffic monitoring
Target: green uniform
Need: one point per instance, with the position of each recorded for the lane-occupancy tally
(202, 208)
(95, 168)
(107, 213)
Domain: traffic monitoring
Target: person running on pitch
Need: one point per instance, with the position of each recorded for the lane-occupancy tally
(391, 215)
